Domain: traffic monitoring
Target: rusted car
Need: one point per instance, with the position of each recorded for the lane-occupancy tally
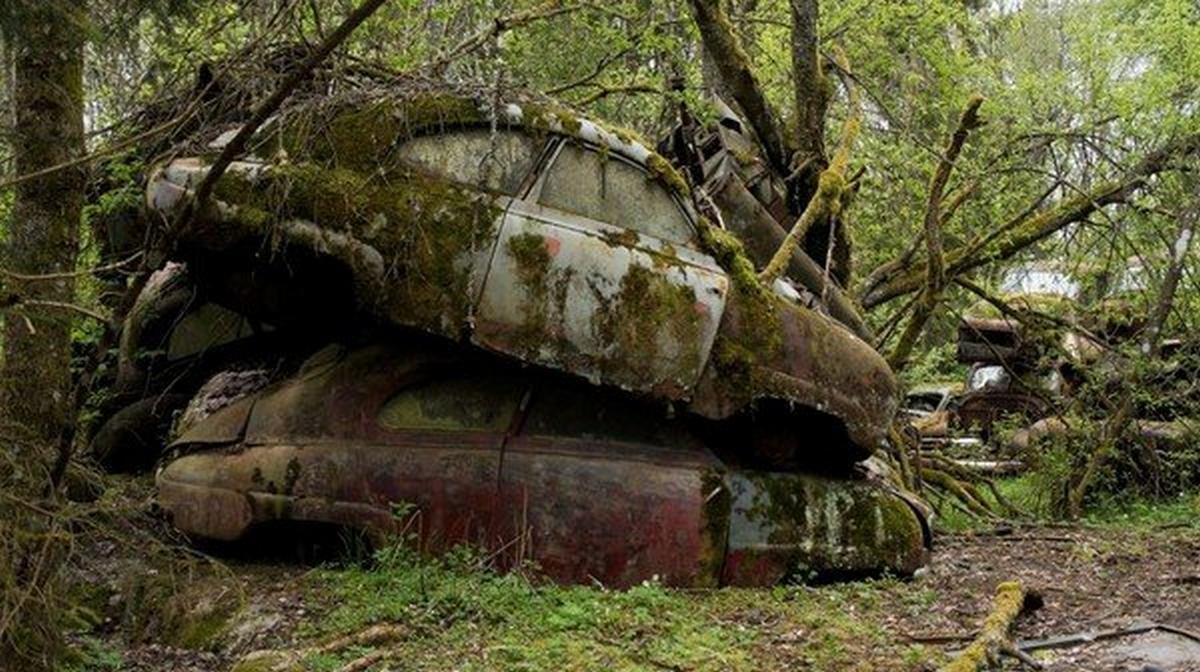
(987, 337)
(930, 410)
(529, 232)
(593, 485)
(173, 340)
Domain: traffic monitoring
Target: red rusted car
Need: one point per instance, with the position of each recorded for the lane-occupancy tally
(592, 485)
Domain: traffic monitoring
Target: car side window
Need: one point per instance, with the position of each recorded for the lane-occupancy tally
(478, 158)
(585, 183)
(456, 402)
(583, 412)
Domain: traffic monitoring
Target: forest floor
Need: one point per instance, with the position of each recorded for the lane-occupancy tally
(167, 610)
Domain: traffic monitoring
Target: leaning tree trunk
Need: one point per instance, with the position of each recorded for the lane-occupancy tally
(47, 50)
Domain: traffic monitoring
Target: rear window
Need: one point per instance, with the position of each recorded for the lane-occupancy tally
(478, 158)
(584, 183)
(480, 403)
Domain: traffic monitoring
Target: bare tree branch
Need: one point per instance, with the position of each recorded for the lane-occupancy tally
(1022, 232)
(264, 110)
(934, 271)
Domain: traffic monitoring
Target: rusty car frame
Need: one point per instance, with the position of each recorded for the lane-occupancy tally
(591, 485)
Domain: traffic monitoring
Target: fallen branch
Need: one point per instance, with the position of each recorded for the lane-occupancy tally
(1011, 600)
(280, 660)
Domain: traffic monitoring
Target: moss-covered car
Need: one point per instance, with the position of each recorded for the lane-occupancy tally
(448, 447)
(530, 232)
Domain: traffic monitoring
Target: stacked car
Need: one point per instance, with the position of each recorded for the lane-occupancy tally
(542, 343)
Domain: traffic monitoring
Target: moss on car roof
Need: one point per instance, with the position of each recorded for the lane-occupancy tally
(362, 131)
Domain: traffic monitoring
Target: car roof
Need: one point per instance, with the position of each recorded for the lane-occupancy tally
(441, 108)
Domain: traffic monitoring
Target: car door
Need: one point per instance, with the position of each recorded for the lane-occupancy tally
(598, 271)
(600, 487)
(434, 284)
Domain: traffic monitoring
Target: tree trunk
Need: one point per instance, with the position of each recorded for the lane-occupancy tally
(47, 48)
(810, 96)
(44, 40)
(728, 60)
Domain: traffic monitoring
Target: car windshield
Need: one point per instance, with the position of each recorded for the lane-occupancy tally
(479, 158)
(571, 411)
(456, 402)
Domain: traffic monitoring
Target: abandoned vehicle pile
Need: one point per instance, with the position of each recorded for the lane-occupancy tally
(1031, 371)
(502, 324)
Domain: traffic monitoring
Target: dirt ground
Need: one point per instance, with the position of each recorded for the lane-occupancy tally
(1090, 579)
(153, 604)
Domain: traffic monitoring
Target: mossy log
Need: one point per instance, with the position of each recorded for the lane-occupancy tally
(993, 638)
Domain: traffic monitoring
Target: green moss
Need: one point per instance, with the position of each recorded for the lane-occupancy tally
(203, 632)
(532, 259)
(758, 335)
(1007, 605)
(420, 225)
(664, 172)
(646, 308)
(622, 238)
(840, 525)
(362, 136)
(569, 122)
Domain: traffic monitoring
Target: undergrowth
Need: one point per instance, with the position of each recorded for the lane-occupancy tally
(461, 617)
(1130, 512)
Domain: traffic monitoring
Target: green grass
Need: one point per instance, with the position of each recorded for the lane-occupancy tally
(1133, 513)
(458, 617)
(89, 654)
(1177, 512)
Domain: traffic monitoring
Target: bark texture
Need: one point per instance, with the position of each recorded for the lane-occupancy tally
(46, 41)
